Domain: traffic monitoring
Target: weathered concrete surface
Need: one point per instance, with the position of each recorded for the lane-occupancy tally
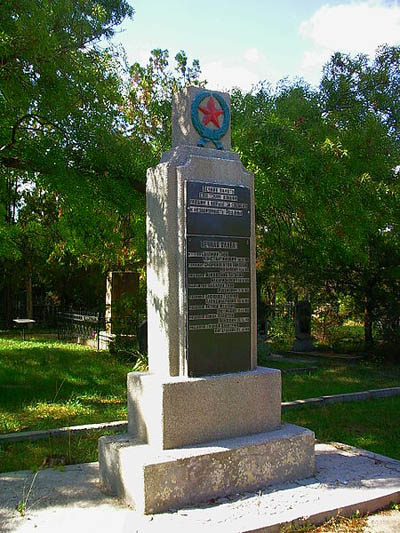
(154, 481)
(177, 411)
(346, 479)
(386, 522)
(183, 131)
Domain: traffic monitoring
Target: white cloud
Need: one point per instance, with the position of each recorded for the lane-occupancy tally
(247, 70)
(358, 26)
(221, 76)
(252, 55)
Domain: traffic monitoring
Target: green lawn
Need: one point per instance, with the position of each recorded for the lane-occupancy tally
(53, 452)
(48, 384)
(284, 365)
(372, 425)
(338, 379)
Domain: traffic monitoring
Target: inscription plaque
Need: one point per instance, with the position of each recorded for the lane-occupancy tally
(218, 318)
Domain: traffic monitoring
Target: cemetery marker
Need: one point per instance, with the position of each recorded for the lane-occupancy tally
(205, 421)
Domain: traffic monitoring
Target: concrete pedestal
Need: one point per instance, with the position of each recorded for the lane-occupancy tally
(171, 412)
(192, 439)
(155, 481)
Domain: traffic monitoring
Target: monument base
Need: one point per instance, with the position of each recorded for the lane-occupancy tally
(171, 412)
(153, 481)
(303, 345)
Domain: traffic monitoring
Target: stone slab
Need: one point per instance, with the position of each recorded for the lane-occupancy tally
(177, 411)
(183, 131)
(166, 302)
(155, 482)
(346, 479)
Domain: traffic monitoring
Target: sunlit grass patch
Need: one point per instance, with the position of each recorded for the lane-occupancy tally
(103, 401)
(46, 383)
(339, 379)
(372, 425)
(57, 411)
(43, 415)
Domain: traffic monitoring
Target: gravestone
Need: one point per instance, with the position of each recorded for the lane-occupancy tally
(118, 286)
(303, 341)
(205, 421)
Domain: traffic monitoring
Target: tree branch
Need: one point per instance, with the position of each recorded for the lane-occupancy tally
(42, 121)
(18, 164)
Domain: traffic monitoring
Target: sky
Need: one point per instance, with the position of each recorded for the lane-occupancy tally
(242, 42)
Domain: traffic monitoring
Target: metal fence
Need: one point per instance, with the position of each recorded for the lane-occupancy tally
(80, 326)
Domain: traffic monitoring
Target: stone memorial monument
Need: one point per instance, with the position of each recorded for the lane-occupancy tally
(205, 421)
(303, 341)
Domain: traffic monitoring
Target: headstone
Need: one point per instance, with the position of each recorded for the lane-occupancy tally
(118, 286)
(303, 341)
(205, 421)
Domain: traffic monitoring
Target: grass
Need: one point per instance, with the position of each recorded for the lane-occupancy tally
(52, 452)
(339, 379)
(372, 425)
(47, 384)
(283, 365)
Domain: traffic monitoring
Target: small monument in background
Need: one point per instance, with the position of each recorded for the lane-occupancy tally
(205, 421)
(119, 285)
(303, 342)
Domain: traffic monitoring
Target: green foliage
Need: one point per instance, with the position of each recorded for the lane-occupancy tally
(78, 130)
(59, 91)
(62, 128)
(326, 178)
(148, 108)
(346, 339)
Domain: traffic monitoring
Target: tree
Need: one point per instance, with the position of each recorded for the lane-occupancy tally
(79, 135)
(360, 100)
(327, 193)
(148, 107)
(60, 98)
(60, 127)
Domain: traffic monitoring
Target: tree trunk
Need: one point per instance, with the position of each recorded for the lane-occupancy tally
(28, 287)
(368, 322)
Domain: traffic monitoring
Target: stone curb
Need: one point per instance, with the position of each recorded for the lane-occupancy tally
(303, 370)
(59, 432)
(348, 397)
(123, 424)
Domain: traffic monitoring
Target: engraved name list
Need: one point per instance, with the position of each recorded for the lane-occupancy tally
(217, 278)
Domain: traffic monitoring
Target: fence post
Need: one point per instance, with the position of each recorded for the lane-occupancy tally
(98, 332)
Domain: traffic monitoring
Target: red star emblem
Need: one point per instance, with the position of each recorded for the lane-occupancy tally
(211, 114)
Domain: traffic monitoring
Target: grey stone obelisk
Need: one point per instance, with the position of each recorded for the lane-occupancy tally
(205, 421)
